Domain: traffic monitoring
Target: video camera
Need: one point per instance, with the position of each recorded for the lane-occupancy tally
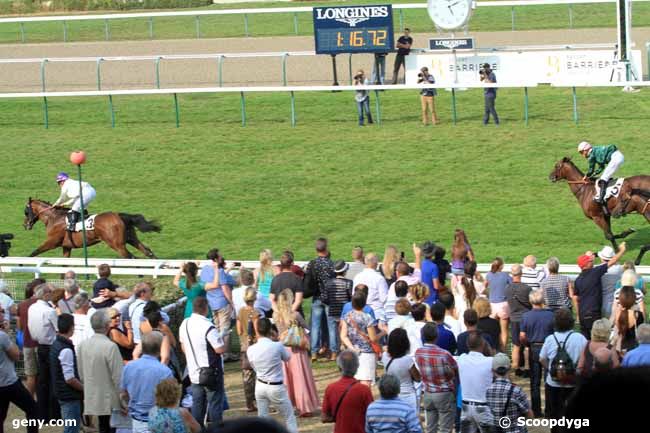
(4, 245)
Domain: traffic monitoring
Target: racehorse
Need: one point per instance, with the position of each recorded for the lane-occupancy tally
(116, 229)
(634, 200)
(584, 191)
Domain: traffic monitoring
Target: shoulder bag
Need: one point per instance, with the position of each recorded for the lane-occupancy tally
(208, 376)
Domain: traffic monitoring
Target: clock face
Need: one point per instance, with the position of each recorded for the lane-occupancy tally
(449, 14)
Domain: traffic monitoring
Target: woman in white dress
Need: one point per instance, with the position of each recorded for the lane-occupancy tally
(398, 363)
(468, 288)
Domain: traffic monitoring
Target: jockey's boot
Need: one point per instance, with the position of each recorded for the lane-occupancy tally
(603, 189)
(73, 217)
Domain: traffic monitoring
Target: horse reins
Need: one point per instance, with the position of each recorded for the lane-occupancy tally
(576, 182)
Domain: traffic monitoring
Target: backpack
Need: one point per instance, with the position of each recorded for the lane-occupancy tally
(563, 369)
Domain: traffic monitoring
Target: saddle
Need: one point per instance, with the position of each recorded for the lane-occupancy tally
(90, 224)
(612, 189)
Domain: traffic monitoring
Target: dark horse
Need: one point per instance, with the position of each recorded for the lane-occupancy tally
(584, 192)
(633, 200)
(116, 229)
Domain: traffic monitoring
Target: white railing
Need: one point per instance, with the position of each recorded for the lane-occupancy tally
(302, 9)
(162, 268)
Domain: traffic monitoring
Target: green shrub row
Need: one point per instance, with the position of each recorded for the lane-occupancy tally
(32, 6)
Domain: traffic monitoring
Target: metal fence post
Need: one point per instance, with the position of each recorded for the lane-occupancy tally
(293, 110)
(453, 105)
(43, 62)
(512, 17)
(45, 113)
(570, 16)
(647, 50)
(157, 63)
(150, 27)
(246, 25)
(65, 32)
(377, 107)
(198, 27)
(22, 32)
(295, 23)
(526, 106)
(178, 120)
(401, 20)
(99, 74)
(284, 68)
(575, 106)
(107, 30)
(243, 109)
(350, 67)
(220, 70)
(110, 106)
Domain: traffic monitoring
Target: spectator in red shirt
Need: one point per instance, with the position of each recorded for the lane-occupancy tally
(29, 345)
(346, 400)
(439, 373)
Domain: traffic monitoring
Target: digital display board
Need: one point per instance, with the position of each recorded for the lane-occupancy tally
(353, 29)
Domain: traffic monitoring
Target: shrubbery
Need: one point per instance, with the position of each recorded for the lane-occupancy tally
(31, 6)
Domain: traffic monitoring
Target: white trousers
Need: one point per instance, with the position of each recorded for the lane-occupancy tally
(88, 196)
(276, 396)
(614, 163)
(138, 426)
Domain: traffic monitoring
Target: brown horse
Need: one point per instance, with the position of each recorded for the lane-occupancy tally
(116, 229)
(584, 192)
(634, 201)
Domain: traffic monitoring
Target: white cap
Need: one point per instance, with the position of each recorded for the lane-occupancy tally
(584, 145)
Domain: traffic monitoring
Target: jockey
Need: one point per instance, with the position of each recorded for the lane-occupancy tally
(605, 159)
(71, 196)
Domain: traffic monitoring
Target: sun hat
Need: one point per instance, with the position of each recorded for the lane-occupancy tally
(428, 248)
(629, 278)
(340, 266)
(607, 253)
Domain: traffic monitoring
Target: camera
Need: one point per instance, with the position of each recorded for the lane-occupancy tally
(4, 245)
(358, 77)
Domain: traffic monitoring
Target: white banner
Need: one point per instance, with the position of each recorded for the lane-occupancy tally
(543, 67)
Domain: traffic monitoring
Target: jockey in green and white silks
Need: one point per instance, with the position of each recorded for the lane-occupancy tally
(71, 193)
(603, 160)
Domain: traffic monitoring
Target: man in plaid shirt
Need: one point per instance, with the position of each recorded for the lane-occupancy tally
(439, 376)
(507, 401)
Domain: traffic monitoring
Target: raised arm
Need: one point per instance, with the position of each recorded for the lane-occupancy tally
(617, 257)
(215, 281)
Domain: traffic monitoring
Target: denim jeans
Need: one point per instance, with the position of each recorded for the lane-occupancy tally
(71, 410)
(204, 399)
(333, 330)
(318, 314)
(379, 70)
(361, 106)
(536, 374)
(490, 109)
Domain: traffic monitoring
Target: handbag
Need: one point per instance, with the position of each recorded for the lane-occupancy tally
(294, 336)
(208, 376)
(376, 348)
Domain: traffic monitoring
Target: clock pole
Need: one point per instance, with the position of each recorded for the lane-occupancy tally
(336, 81)
(624, 32)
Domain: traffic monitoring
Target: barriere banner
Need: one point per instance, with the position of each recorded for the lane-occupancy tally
(543, 67)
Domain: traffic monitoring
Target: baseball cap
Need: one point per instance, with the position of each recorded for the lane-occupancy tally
(584, 260)
(501, 363)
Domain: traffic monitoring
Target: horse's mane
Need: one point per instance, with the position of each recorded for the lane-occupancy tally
(58, 209)
(568, 160)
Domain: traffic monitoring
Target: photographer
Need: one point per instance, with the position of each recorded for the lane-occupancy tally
(490, 94)
(427, 95)
(362, 97)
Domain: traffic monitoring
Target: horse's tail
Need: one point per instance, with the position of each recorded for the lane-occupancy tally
(140, 223)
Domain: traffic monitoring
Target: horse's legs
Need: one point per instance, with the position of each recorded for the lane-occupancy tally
(643, 250)
(141, 247)
(120, 248)
(603, 223)
(66, 252)
(625, 233)
(45, 246)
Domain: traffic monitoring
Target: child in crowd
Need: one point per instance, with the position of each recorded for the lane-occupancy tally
(100, 300)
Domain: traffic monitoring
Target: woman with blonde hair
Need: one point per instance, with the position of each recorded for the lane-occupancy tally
(487, 324)
(166, 416)
(387, 267)
(298, 376)
(265, 273)
(419, 293)
(122, 337)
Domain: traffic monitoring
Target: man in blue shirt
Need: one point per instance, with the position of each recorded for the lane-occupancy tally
(366, 309)
(490, 94)
(220, 299)
(390, 414)
(446, 339)
(140, 378)
(430, 272)
(639, 357)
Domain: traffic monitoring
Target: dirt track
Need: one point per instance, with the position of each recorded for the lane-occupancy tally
(25, 77)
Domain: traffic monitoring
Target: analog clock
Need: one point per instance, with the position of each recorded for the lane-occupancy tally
(449, 14)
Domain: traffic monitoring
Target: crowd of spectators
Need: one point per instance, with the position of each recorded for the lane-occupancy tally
(436, 348)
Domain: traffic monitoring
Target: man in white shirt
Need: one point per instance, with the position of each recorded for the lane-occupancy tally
(475, 371)
(143, 293)
(609, 280)
(82, 329)
(357, 265)
(42, 324)
(266, 358)
(377, 287)
(203, 346)
(7, 302)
